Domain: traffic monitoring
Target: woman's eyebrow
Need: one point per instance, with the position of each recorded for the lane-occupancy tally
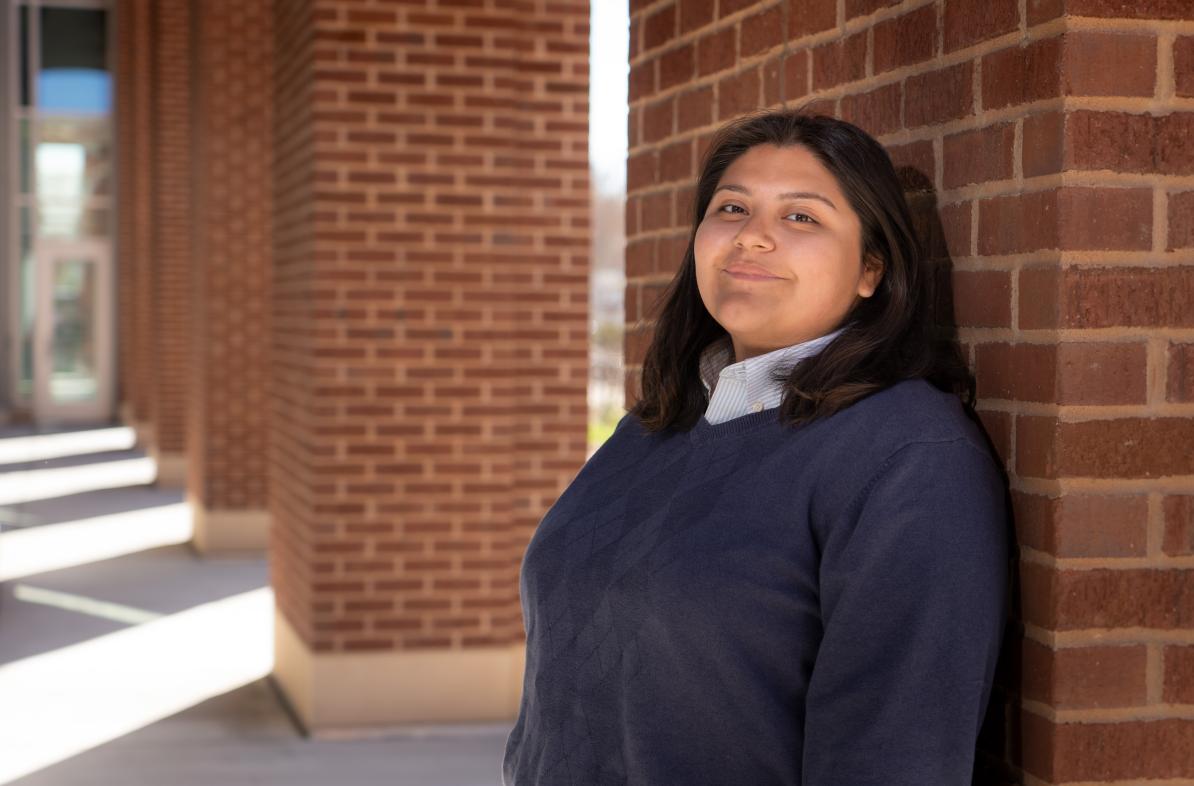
(788, 195)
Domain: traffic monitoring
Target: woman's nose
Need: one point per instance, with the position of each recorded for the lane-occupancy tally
(752, 234)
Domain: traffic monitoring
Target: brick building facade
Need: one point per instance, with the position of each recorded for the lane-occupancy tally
(354, 245)
(362, 318)
(1045, 145)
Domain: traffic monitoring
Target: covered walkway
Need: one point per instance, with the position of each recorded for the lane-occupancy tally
(127, 654)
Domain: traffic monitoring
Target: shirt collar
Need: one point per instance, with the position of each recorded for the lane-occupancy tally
(756, 373)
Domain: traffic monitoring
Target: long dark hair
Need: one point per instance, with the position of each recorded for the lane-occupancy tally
(888, 337)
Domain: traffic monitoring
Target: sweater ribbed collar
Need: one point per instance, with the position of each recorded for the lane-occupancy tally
(750, 423)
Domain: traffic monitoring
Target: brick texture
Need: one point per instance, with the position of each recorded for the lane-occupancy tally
(1181, 220)
(978, 156)
(170, 305)
(1106, 297)
(1152, 749)
(1123, 447)
(1183, 65)
(1021, 74)
(969, 22)
(231, 228)
(1065, 373)
(1180, 385)
(906, 40)
(1179, 674)
(1044, 147)
(1179, 525)
(1109, 64)
(127, 58)
(134, 96)
(1086, 677)
(1083, 525)
(429, 308)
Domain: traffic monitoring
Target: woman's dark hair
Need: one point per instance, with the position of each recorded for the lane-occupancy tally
(888, 337)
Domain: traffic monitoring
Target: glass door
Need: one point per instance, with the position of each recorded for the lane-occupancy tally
(60, 200)
(73, 368)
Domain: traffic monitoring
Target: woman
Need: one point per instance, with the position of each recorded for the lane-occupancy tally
(788, 564)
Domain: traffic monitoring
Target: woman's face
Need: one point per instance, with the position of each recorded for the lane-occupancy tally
(779, 251)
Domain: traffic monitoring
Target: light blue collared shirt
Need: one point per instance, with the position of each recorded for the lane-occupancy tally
(740, 388)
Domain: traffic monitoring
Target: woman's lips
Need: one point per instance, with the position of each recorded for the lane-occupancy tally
(749, 273)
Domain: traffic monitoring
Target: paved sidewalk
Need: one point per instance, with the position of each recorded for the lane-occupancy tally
(144, 665)
(244, 738)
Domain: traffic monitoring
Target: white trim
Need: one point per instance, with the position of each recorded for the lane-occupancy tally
(96, 252)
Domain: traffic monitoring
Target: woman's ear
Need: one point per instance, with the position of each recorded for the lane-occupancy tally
(872, 274)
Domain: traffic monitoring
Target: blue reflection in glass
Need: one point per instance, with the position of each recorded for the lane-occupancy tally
(82, 90)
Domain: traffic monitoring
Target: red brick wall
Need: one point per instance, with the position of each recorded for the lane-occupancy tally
(134, 125)
(1045, 146)
(122, 95)
(169, 308)
(230, 237)
(429, 311)
(291, 482)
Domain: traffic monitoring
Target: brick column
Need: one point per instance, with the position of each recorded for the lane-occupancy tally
(123, 19)
(1094, 376)
(1047, 157)
(429, 331)
(134, 269)
(230, 245)
(169, 234)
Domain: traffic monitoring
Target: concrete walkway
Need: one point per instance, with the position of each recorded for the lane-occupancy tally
(124, 657)
(244, 737)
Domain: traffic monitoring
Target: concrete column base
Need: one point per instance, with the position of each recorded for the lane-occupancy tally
(172, 469)
(342, 693)
(223, 531)
(142, 429)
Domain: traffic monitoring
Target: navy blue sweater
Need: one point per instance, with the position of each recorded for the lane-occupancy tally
(746, 603)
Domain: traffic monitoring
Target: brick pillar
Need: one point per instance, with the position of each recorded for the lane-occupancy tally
(134, 131)
(1093, 376)
(123, 19)
(1047, 158)
(429, 329)
(169, 234)
(230, 244)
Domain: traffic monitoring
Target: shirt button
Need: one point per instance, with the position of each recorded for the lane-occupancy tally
(757, 406)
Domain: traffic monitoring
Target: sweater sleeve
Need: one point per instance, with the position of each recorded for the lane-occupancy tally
(912, 583)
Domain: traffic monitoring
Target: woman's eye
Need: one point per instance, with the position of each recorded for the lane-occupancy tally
(807, 218)
(723, 207)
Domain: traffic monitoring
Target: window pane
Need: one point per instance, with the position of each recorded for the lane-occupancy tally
(73, 157)
(72, 353)
(74, 67)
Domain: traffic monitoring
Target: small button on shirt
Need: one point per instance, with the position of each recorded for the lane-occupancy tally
(737, 389)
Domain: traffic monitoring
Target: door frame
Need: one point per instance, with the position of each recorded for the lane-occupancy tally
(49, 252)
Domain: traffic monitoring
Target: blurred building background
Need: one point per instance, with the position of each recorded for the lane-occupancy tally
(323, 270)
(311, 308)
(607, 146)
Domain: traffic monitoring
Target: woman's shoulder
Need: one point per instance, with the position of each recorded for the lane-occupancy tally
(910, 426)
(910, 411)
